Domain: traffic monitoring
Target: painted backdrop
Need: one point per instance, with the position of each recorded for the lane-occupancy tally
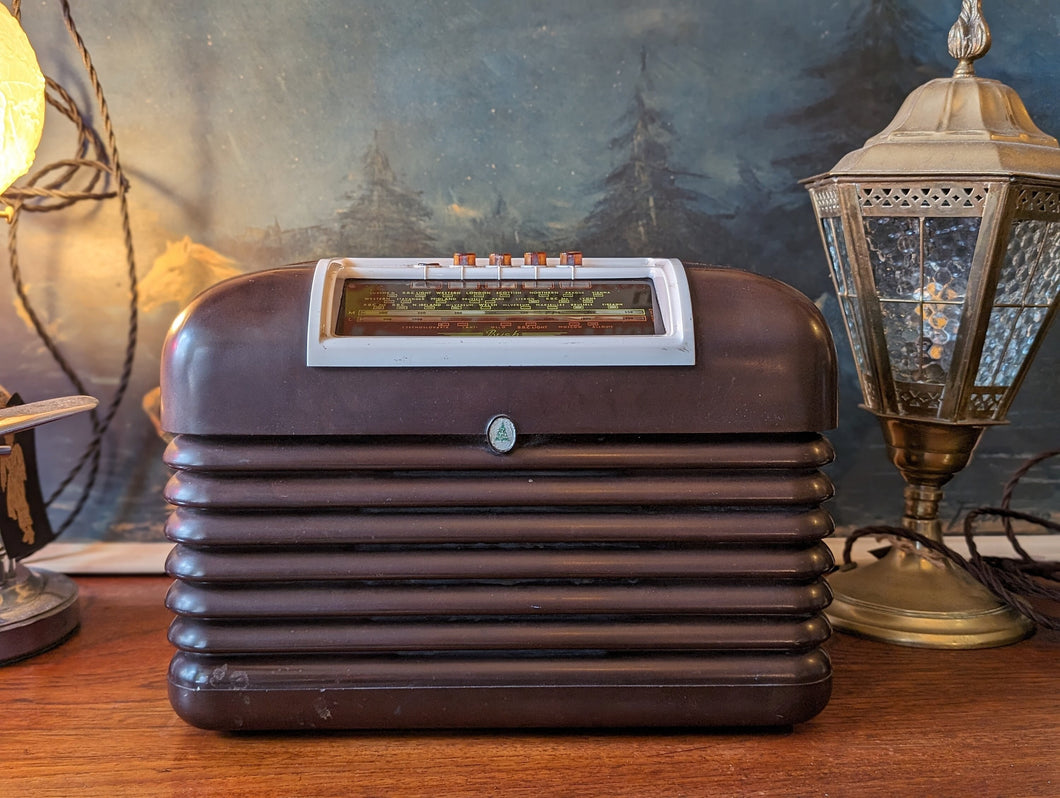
(256, 134)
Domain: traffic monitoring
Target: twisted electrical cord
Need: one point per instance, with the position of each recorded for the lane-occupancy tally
(98, 158)
(1013, 581)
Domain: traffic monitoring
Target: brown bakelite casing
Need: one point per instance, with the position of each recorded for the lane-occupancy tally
(351, 552)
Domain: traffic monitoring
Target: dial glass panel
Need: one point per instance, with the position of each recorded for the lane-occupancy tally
(507, 308)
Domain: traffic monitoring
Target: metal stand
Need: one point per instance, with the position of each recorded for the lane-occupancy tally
(38, 610)
(907, 599)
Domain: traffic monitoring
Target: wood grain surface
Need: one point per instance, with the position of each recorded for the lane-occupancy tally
(92, 718)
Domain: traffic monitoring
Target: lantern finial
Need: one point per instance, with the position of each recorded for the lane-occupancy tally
(969, 38)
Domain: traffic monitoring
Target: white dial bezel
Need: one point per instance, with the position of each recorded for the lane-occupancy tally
(673, 347)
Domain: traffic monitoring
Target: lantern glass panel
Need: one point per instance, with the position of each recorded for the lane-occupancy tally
(921, 267)
(1027, 285)
(846, 291)
(1030, 262)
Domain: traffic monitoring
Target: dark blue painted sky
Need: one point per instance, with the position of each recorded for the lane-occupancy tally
(241, 113)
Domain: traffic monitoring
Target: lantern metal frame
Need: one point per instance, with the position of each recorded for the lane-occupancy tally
(963, 190)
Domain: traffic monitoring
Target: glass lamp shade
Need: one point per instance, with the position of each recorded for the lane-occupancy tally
(942, 235)
(21, 101)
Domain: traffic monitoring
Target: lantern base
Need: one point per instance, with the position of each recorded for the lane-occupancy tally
(38, 611)
(909, 600)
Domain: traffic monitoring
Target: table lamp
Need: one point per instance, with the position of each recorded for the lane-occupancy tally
(942, 234)
(38, 609)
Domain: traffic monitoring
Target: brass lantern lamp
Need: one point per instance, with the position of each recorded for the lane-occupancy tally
(943, 238)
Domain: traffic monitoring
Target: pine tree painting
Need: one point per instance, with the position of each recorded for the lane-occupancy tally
(676, 128)
(646, 208)
(887, 51)
(386, 217)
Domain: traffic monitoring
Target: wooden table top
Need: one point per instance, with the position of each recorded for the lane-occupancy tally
(92, 718)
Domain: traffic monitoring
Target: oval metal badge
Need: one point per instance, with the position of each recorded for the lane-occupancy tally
(500, 434)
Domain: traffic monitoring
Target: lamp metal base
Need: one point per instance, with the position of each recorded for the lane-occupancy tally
(906, 599)
(38, 610)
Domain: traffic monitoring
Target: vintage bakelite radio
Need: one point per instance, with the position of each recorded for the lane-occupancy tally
(537, 492)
